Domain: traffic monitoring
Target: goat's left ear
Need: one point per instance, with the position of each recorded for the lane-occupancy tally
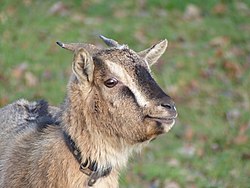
(83, 66)
(152, 54)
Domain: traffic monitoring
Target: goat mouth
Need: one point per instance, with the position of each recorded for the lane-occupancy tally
(166, 123)
(163, 120)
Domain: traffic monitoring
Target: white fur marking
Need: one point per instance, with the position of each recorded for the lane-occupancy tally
(124, 77)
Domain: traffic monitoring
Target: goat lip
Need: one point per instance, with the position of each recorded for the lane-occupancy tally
(165, 120)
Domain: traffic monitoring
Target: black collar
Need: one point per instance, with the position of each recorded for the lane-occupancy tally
(88, 167)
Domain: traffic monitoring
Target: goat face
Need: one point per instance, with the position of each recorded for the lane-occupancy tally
(122, 98)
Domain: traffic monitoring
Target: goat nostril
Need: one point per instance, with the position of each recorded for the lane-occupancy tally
(168, 106)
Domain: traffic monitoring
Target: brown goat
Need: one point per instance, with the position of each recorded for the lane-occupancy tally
(112, 108)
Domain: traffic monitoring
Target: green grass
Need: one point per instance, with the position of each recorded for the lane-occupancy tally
(206, 69)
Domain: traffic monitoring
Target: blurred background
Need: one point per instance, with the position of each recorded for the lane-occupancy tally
(206, 69)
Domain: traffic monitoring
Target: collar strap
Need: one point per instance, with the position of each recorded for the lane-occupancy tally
(88, 167)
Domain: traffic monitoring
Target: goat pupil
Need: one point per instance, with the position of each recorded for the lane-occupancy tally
(110, 82)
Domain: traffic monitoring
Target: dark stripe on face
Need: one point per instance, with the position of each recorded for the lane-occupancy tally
(147, 83)
(128, 93)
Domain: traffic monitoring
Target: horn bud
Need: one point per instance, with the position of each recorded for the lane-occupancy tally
(75, 46)
(71, 47)
(109, 42)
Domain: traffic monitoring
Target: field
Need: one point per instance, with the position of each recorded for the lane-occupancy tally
(206, 69)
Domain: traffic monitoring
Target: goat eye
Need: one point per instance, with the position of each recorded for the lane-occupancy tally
(111, 82)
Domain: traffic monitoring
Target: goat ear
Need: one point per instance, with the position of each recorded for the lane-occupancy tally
(152, 54)
(83, 65)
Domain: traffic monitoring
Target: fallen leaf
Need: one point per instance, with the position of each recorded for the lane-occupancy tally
(192, 12)
(243, 128)
(233, 115)
(237, 51)
(171, 184)
(187, 150)
(120, 13)
(189, 134)
(220, 9)
(219, 52)
(200, 152)
(216, 147)
(30, 79)
(27, 3)
(59, 8)
(3, 19)
(77, 17)
(47, 75)
(233, 69)
(173, 162)
(141, 4)
(241, 139)
(192, 87)
(245, 27)
(140, 35)
(3, 78)
(172, 90)
(11, 10)
(18, 72)
(220, 41)
(245, 156)
(211, 62)
(240, 6)
(206, 73)
(4, 100)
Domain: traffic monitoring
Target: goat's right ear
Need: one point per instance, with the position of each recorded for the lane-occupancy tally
(83, 65)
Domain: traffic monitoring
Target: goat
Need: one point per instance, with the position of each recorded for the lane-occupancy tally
(113, 107)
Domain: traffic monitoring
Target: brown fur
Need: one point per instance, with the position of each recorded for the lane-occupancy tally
(107, 124)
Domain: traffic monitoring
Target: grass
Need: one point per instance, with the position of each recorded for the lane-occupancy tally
(206, 69)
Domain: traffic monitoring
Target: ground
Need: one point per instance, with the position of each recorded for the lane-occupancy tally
(206, 69)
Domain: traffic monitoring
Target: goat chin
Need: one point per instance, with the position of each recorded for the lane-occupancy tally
(168, 126)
